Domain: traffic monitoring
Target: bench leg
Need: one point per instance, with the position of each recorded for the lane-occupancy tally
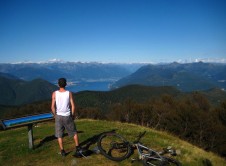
(30, 136)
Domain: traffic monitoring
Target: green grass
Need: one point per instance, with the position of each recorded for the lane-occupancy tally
(14, 145)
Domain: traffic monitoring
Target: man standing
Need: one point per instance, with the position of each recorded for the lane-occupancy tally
(63, 109)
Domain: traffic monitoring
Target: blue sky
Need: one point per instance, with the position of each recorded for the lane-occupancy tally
(112, 30)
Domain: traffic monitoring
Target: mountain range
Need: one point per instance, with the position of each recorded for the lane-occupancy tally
(27, 83)
(75, 71)
(186, 77)
(183, 76)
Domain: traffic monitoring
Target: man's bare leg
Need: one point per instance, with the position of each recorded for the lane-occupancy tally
(60, 142)
(77, 152)
(76, 140)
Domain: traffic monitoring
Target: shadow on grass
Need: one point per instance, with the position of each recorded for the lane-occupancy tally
(50, 138)
(85, 145)
(92, 140)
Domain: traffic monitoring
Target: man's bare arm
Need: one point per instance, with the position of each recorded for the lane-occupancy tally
(53, 108)
(72, 105)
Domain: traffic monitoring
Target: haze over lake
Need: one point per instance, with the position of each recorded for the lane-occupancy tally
(90, 86)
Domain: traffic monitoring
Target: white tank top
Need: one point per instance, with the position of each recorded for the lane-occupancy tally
(62, 103)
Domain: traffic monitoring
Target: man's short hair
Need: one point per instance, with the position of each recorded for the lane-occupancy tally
(62, 82)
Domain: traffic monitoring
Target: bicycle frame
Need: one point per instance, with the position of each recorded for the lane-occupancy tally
(152, 154)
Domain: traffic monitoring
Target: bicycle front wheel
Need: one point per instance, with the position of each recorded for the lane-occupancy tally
(114, 147)
(163, 161)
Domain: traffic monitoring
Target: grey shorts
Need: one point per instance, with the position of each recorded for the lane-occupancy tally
(62, 123)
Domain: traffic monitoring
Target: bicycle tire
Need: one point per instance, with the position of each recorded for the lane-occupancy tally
(114, 147)
(164, 161)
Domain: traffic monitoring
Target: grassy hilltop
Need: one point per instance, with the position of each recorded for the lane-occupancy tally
(14, 145)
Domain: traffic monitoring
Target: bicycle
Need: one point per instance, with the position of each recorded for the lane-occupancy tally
(115, 147)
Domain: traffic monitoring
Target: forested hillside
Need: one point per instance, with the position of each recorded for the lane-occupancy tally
(16, 92)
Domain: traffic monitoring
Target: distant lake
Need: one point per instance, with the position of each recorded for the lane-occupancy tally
(92, 86)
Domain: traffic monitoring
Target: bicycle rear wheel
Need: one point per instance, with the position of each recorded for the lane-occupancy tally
(114, 147)
(163, 161)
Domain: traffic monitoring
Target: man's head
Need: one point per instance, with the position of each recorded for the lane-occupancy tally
(62, 82)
